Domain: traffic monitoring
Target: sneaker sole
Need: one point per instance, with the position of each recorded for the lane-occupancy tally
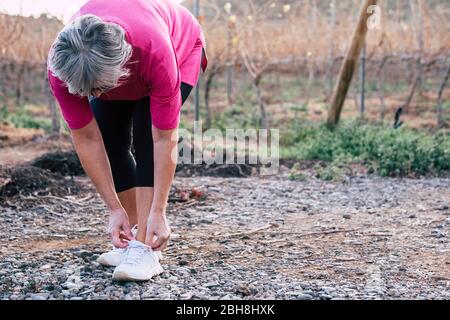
(159, 255)
(124, 276)
(105, 263)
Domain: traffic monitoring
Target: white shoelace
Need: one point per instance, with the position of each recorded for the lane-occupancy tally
(134, 230)
(135, 252)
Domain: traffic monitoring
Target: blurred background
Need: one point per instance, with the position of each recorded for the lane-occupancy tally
(272, 64)
(358, 209)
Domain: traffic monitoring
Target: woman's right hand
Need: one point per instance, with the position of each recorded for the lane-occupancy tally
(119, 227)
(91, 150)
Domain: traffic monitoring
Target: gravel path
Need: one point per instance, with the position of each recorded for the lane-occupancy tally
(252, 238)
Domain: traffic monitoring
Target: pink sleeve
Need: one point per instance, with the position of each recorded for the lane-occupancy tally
(75, 110)
(162, 75)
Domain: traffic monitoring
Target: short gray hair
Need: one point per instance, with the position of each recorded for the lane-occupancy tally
(90, 54)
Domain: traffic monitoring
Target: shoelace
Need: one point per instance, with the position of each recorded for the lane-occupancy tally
(134, 230)
(134, 254)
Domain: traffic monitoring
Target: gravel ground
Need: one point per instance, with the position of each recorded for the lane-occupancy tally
(251, 238)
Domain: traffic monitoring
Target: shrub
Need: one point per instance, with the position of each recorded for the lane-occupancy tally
(23, 119)
(383, 150)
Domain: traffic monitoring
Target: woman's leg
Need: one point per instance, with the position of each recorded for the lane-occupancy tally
(143, 147)
(114, 119)
(128, 200)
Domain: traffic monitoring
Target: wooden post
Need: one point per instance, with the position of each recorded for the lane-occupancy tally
(230, 65)
(417, 10)
(440, 113)
(362, 109)
(349, 65)
(332, 44)
(314, 14)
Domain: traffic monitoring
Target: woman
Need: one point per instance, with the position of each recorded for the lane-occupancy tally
(120, 74)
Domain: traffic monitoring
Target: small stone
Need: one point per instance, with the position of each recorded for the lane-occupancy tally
(87, 291)
(65, 293)
(183, 263)
(328, 289)
(110, 288)
(40, 296)
(85, 254)
(71, 286)
(244, 290)
(164, 296)
(437, 234)
(211, 285)
(46, 267)
(186, 296)
(299, 295)
(99, 288)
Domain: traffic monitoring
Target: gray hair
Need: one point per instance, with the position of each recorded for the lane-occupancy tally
(90, 54)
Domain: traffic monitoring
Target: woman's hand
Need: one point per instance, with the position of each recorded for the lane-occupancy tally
(91, 150)
(158, 231)
(119, 228)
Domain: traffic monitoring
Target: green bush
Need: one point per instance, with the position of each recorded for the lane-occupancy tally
(23, 119)
(383, 150)
(296, 173)
(329, 173)
(238, 117)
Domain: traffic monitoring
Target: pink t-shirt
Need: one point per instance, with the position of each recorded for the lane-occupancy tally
(163, 34)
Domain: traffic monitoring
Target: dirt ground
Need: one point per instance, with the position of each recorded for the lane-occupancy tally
(247, 238)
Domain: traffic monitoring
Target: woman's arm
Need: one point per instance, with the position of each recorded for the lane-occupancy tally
(161, 74)
(165, 162)
(90, 148)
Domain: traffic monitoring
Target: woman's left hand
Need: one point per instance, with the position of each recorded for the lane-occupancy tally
(158, 231)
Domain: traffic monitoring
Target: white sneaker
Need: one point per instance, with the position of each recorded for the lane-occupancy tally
(141, 263)
(114, 257)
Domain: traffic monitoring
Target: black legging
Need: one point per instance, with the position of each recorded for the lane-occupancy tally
(124, 124)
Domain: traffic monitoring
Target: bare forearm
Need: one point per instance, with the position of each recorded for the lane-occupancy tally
(165, 166)
(95, 162)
